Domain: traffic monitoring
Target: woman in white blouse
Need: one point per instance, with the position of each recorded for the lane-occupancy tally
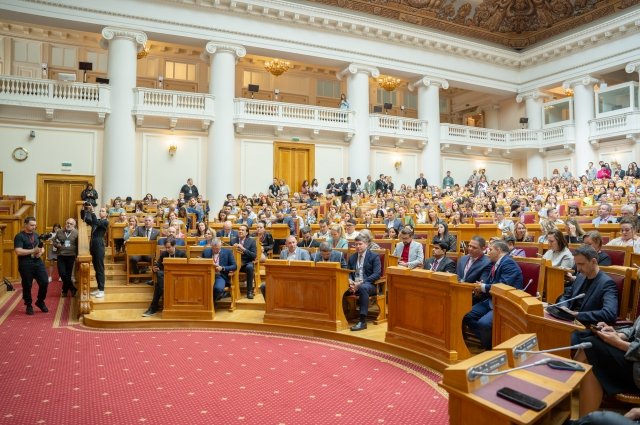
(628, 235)
(558, 252)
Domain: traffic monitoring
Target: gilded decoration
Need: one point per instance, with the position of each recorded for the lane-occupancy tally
(513, 23)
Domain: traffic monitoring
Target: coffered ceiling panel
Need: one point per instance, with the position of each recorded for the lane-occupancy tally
(514, 23)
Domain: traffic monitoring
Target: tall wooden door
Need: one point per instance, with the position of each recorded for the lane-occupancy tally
(57, 197)
(295, 163)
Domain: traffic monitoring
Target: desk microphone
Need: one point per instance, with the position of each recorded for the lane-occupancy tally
(583, 345)
(473, 374)
(528, 283)
(577, 297)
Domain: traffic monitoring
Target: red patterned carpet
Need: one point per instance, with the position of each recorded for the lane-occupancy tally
(52, 373)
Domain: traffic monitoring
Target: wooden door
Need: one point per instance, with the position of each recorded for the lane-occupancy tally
(57, 197)
(294, 162)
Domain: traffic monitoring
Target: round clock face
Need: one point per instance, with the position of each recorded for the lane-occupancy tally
(20, 154)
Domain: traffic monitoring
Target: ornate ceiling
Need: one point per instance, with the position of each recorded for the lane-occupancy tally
(513, 23)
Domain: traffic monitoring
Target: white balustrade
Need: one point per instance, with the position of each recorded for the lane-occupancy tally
(389, 125)
(54, 94)
(173, 103)
(292, 115)
(474, 136)
(614, 126)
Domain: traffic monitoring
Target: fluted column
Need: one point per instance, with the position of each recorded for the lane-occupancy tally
(221, 156)
(118, 165)
(357, 76)
(583, 111)
(533, 100)
(429, 110)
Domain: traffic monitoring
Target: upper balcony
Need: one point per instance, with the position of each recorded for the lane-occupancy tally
(54, 100)
(473, 138)
(253, 116)
(617, 114)
(173, 109)
(388, 129)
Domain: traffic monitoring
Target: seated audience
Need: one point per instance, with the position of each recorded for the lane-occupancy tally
(604, 215)
(513, 250)
(224, 263)
(440, 262)
(293, 252)
(443, 235)
(575, 234)
(558, 252)
(265, 238)
(628, 235)
(475, 266)
(325, 253)
(409, 252)
(170, 251)
(350, 230)
(337, 240)
(248, 252)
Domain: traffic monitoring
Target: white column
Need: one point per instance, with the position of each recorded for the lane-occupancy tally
(429, 110)
(358, 97)
(633, 67)
(221, 153)
(492, 116)
(533, 110)
(583, 112)
(119, 166)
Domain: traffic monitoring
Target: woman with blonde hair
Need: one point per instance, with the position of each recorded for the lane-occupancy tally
(337, 239)
(521, 233)
(574, 231)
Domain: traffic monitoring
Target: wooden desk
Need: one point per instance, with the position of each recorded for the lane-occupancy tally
(516, 312)
(116, 231)
(425, 312)
(474, 400)
(140, 246)
(279, 231)
(188, 288)
(306, 294)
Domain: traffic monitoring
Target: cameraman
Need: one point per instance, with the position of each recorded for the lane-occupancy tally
(66, 241)
(29, 249)
(96, 246)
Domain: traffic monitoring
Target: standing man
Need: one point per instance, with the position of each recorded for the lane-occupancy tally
(99, 226)
(421, 182)
(447, 181)
(348, 190)
(504, 270)
(29, 249)
(381, 184)
(66, 240)
(591, 172)
(189, 190)
(369, 186)
(409, 252)
(362, 281)
(566, 174)
(170, 251)
(224, 263)
(248, 252)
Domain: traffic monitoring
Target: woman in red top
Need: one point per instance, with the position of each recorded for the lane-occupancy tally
(603, 173)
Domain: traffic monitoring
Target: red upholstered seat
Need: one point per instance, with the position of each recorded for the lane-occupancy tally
(529, 218)
(617, 257)
(530, 271)
(529, 251)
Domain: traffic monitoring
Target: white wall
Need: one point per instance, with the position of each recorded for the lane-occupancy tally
(163, 174)
(510, 114)
(461, 167)
(47, 151)
(384, 163)
(256, 166)
(621, 151)
(558, 162)
(331, 161)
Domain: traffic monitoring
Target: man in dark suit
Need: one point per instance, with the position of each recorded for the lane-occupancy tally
(307, 240)
(474, 267)
(504, 270)
(440, 262)
(227, 231)
(367, 269)
(600, 303)
(392, 221)
(224, 263)
(348, 190)
(381, 185)
(248, 250)
(326, 254)
(421, 181)
(170, 251)
(146, 231)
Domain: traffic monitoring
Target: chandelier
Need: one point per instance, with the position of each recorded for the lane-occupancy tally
(568, 92)
(277, 67)
(388, 83)
(144, 52)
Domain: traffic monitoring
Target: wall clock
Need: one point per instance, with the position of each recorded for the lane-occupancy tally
(20, 154)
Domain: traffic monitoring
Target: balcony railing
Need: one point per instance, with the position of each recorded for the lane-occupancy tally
(387, 125)
(614, 126)
(250, 111)
(485, 137)
(173, 103)
(53, 94)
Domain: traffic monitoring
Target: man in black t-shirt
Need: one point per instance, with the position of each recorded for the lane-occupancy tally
(29, 250)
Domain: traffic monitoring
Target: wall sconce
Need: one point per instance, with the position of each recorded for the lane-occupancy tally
(172, 149)
(397, 164)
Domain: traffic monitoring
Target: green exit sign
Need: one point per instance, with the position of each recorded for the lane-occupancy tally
(66, 164)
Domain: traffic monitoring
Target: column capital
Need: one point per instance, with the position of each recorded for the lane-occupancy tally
(213, 47)
(534, 94)
(585, 80)
(632, 67)
(429, 81)
(110, 33)
(355, 68)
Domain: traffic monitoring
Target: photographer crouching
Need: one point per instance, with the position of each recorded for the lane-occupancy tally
(29, 248)
(99, 226)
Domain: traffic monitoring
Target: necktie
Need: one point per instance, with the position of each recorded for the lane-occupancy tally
(434, 266)
(493, 271)
(466, 268)
(149, 234)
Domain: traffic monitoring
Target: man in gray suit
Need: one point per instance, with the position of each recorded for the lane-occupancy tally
(325, 253)
(409, 252)
(292, 252)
